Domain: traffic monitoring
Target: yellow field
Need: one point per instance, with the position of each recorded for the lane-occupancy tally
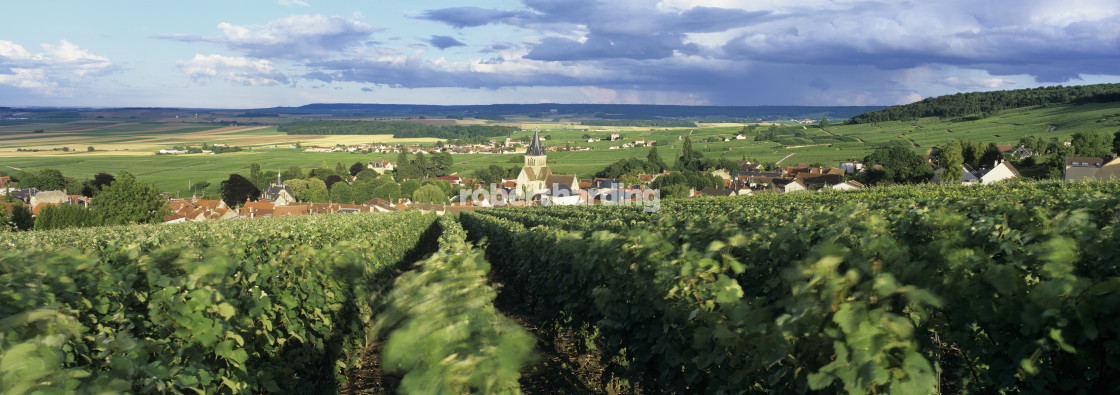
(150, 141)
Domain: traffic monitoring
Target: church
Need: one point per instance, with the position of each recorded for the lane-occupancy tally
(536, 177)
(278, 193)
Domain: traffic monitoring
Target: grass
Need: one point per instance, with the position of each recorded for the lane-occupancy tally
(128, 144)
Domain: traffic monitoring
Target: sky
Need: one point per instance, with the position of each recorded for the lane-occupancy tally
(264, 53)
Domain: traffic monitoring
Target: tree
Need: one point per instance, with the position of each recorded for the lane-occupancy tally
(331, 180)
(129, 201)
(408, 187)
(293, 173)
(236, 190)
(362, 191)
(422, 165)
(64, 216)
(1091, 143)
(675, 191)
(900, 164)
(951, 160)
(339, 168)
(46, 180)
(102, 180)
(991, 156)
(341, 193)
(89, 149)
(390, 192)
(258, 177)
(92, 187)
(824, 122)
(297, 186)
(686, 151)
(356, 168)
(21, 218)
(314, 191)
(655, 159)
(366, 175)
(403, 169)
(1116, 143)
(429, 194)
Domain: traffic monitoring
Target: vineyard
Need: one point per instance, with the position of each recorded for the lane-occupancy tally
(912, 290)
(1006, 288)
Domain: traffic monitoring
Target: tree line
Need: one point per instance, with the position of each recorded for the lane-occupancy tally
(652, 123)
(399, 129)
(983, 104)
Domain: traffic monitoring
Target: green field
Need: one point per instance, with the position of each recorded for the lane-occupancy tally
(174, 173)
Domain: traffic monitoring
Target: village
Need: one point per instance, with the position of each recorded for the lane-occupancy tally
(536, 184)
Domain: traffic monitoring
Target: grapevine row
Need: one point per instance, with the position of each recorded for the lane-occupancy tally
(268, 305)
(443, 330)
(979, 289)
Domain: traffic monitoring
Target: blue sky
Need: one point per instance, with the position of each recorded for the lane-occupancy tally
(247, 54)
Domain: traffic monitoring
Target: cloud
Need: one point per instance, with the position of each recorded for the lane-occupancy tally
(290, 3)
(64, 69)
(295, 37)
(445, 42)
(1027, 39)
(461, 17)
(775, 51)
(240, 71)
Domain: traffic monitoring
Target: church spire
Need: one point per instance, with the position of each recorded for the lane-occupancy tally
(535, 147)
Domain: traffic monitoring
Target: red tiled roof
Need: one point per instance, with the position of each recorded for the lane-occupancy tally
(39, 207)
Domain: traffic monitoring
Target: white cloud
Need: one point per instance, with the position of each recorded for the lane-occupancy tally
(296, 37)
(61, 70)
(290, 3)
(241, 71)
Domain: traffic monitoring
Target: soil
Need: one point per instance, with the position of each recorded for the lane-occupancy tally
(369, 379)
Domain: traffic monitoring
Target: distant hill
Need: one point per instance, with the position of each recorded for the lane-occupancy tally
(600, 111)
(982, 104)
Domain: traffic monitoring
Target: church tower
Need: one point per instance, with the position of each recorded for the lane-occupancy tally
(534, 156)
(534, 175)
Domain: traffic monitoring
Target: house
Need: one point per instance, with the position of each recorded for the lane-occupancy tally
(260, 208)
(968, 175)
(1022, 152)
(848, 186)
(52, 197)
(851, 167)
(1082, 167)
(794, 186)
(604, 183)
(453, 180)
(381, 167)
(562, 195)
(566, 180)
(1088, 167)
(1001, 170)
(23, 195)
(721, 173)
(278, 193)
(4, 181)
(615, 135)
(1005, 149)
